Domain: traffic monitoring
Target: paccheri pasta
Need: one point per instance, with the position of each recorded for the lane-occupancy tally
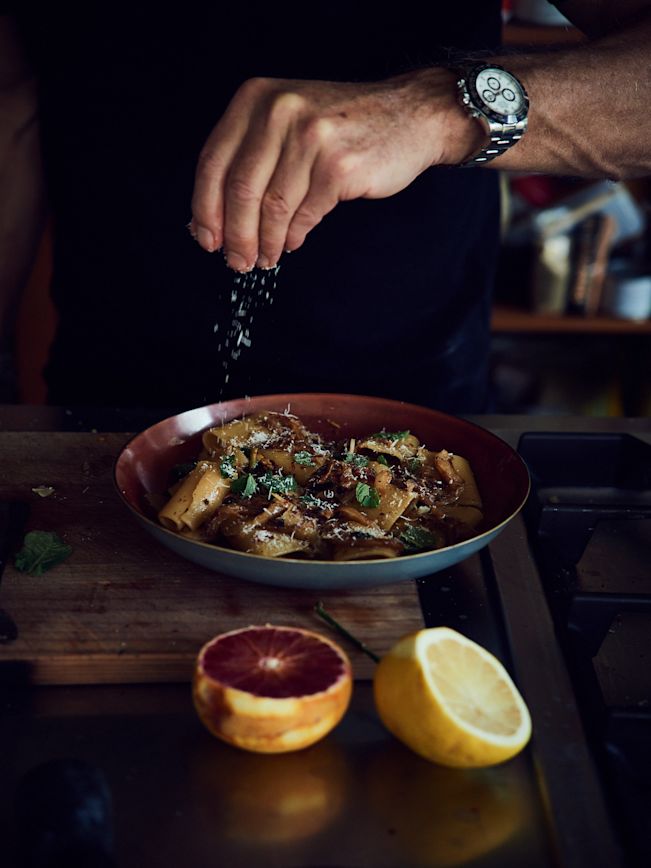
(266, 485)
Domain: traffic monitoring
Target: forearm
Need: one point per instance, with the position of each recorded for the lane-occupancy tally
(589, 107)
(286, 152)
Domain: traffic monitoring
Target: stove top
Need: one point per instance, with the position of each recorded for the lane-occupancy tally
(570, 586)
(588, 523)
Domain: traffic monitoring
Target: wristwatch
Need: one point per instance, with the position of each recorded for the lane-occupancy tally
(499, 101)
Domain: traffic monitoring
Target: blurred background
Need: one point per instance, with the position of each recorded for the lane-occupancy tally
(571, 316)
(572, 308)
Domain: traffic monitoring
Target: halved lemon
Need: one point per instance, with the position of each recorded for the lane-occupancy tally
(450, 700)
(271, 689)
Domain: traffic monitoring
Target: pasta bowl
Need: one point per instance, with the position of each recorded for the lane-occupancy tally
(142, 472)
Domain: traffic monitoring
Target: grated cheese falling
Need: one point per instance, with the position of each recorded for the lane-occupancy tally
(251, 291)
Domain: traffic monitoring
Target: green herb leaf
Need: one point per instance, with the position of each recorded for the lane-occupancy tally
(382, 460)
(390, 435)
(278, 482)
(180, 471)
(414, 465)
(244, 485)
(366, 495)
(304, 458)
(355, 459)
(227, 467)
(41, 551)
(418, 539)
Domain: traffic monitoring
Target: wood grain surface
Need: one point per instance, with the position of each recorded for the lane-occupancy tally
(122, 608)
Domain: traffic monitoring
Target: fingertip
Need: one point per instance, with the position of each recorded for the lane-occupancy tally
(206, 239)
(238, 262)
(293, 244)
(295, 238)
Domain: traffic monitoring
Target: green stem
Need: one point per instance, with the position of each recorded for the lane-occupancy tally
(321, 612)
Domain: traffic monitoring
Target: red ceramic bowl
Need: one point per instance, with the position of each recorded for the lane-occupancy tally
(142, 469)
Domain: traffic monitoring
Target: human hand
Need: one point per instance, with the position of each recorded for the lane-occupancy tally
(286, 152)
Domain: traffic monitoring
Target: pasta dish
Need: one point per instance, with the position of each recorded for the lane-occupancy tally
(266, 485)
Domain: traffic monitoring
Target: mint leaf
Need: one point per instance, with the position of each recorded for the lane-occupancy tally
(355, 459)
(418, 539)
(41, 551)
(227, 467)
(180, 471)
(304, 458)
(244, 485)
(366, 495)
(390, 435)
(277, 482)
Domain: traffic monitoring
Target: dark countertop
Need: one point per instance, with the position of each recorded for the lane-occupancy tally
(23, 417)
(358, 798)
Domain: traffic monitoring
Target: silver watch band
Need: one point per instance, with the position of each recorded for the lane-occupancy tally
(502, 136)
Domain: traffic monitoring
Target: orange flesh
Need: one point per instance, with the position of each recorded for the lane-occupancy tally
(272, 662)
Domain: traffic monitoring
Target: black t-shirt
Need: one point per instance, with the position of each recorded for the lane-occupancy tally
(386, 297)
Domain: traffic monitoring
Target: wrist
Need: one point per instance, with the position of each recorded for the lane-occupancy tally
(454, 134)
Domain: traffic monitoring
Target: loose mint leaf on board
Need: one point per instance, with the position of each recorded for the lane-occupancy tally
(41, 551)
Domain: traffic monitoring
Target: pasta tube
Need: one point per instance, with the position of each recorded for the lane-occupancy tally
(470, 493)
(197, 499)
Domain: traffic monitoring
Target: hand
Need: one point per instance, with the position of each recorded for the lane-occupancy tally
(286, 152)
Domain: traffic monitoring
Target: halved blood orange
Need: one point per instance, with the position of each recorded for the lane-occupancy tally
(271, 689)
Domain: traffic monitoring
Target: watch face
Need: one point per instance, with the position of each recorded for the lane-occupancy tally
(500, 93)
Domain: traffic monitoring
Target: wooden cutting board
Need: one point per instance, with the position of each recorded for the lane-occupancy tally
(123, 608)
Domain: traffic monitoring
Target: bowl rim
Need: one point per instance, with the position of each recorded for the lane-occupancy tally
(305, 562)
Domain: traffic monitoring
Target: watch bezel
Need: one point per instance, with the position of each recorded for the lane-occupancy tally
(479, 103)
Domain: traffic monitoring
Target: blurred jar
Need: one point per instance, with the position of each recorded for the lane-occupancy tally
(627, 293)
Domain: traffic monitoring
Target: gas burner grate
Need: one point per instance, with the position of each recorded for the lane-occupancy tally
(579, 480)
(587, 521)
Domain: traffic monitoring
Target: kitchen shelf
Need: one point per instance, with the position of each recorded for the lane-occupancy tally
(514, 320)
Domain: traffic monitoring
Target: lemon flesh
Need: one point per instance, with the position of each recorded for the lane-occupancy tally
(450, 700)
